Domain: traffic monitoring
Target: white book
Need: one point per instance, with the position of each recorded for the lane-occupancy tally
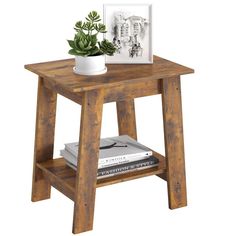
(113, 151)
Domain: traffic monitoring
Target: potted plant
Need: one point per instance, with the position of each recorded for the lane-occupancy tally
(88, 51)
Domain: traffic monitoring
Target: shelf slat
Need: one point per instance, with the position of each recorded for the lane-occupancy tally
(62, 177)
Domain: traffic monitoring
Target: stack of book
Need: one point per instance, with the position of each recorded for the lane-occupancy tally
(117, 155)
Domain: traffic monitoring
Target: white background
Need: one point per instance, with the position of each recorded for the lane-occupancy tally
(199, 34)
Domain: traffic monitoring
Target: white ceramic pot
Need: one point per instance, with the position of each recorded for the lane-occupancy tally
(91, 65)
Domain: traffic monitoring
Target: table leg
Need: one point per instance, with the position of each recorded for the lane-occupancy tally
(86, 177)
(44, 139)
(174, 143)
(126, 118)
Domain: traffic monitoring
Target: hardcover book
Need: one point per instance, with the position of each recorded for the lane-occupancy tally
(123, 168)
(112, 151)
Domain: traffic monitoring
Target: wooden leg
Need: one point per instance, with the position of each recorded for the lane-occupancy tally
(126, 118)
(44, 139)
(86, 177)
(174, 143)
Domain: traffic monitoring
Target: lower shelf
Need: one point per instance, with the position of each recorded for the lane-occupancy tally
(62, 177)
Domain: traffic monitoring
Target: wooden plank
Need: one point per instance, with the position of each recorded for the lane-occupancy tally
(62, 177)
(118, 93)
(86, 177)
(174, 143)
(131, 91)
(75, 97)
(126, 118)
(61, 74)
(162, 176)
(44, 139)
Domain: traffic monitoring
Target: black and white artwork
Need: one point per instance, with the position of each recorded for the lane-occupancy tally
(129, 28)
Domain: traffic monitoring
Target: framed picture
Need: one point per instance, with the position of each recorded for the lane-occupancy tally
(129, 27)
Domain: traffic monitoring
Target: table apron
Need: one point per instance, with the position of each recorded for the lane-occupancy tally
(116, 93)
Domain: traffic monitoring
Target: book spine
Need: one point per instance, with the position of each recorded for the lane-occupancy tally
(68, 157)
(112, 161)
(123, 169)
(71, 150)
(126, 171)
(119, 171)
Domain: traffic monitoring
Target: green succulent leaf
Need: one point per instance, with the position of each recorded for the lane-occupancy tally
(88, 26)
(93, 16)
(101, 28)
(80, 34)
(95, 51)
(71, 43)
(76, 43)
(78, 24)
(82, 53)
(88, 46)
(81, 45)
(73, 52)
(93, 39)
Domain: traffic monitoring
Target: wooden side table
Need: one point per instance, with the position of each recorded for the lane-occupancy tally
(121, 84)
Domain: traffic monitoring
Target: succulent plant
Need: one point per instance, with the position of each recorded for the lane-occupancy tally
(85, 41)
(107, 47)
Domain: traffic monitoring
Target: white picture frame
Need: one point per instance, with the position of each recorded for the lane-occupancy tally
(129, 27)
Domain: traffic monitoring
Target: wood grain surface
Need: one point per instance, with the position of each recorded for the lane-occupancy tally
(88, 153)
(174, 143)
(63, 178)
(44, 139)
(126, 118)
(117, 93)
(61, 76)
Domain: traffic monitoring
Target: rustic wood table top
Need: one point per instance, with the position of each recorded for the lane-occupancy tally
(60, 74)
